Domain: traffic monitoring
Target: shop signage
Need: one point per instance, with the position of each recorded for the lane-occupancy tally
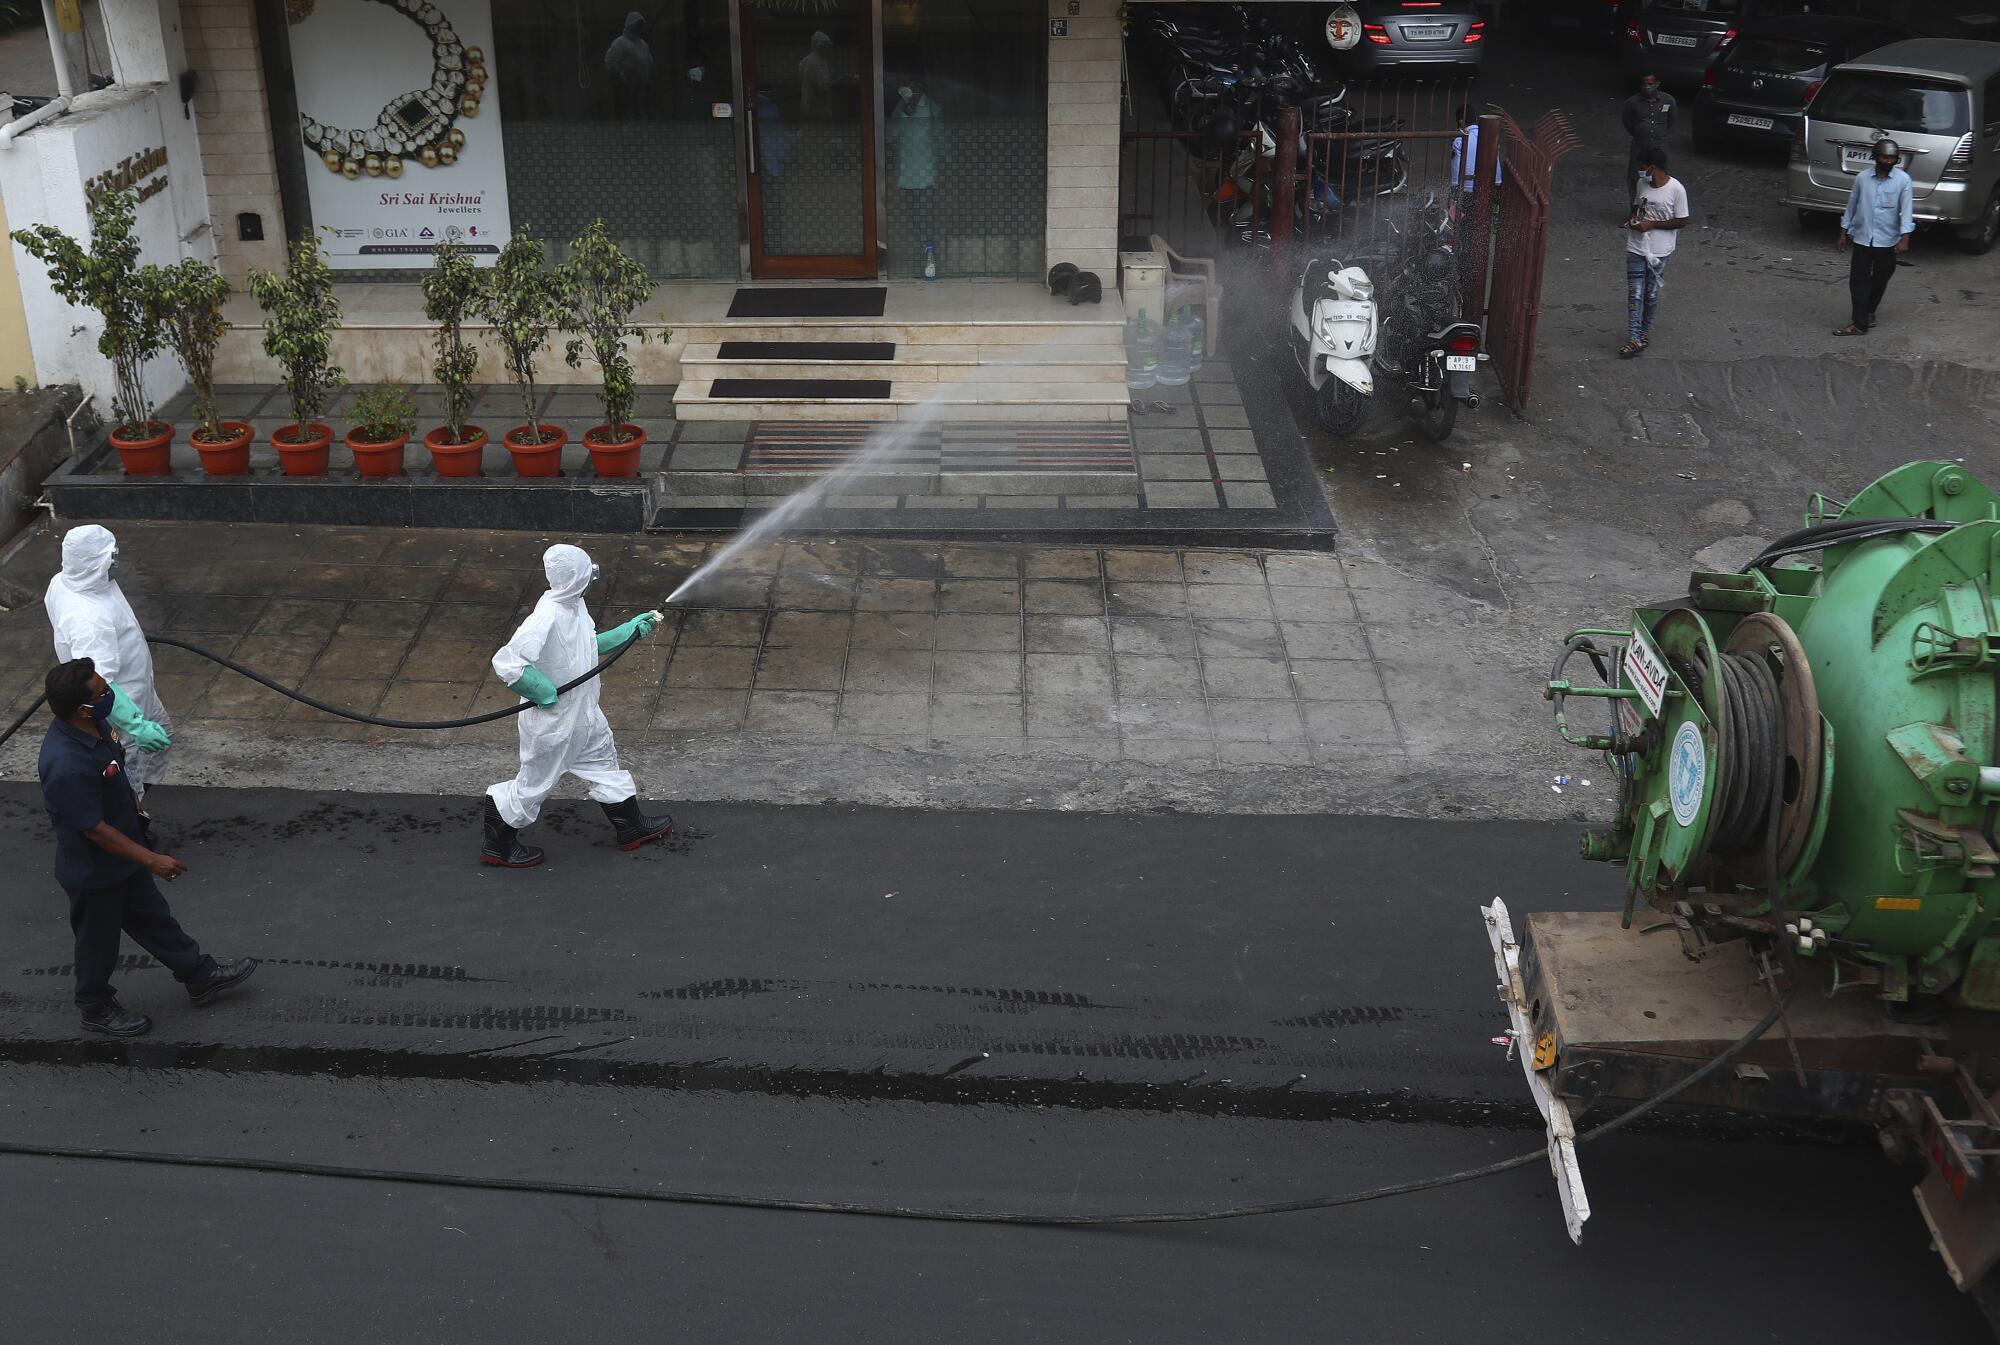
(132, 172)
(400, 119)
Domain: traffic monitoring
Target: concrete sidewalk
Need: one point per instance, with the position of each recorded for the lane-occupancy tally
(883, 672)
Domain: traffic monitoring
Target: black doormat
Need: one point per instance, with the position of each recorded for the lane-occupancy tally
(859, 351)
(772, 389)
(833, 302)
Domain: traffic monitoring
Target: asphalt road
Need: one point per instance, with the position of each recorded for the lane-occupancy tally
(844, 956)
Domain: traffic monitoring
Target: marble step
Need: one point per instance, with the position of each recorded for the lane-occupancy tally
(972, 400)
(1055, 334)
(969, 364)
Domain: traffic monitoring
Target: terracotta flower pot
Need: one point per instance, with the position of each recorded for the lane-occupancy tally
(531, 458)
(457, 459)
(148, 452)
(228, 456)
(378, 457)
(614, 456)
(303, 449)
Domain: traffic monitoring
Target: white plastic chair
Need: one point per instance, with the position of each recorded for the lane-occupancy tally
(1203, 270)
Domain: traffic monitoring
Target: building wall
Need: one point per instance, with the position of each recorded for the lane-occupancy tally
(17, 358)
(236, 147)
(1084, 88)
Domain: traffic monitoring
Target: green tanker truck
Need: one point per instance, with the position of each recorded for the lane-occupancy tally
(1807, 758)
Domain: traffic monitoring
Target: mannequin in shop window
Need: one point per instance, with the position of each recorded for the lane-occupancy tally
(628, 69)
(913, 138)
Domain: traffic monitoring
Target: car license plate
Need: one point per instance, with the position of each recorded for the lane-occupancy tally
(1461, 364)
(1754, 123)
(1673, 40)
(1426, 32)
(1854, 158)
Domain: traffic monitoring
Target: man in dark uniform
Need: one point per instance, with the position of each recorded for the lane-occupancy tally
(1647, 117)
(103, 864)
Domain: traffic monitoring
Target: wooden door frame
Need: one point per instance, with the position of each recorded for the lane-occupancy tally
(861, 267)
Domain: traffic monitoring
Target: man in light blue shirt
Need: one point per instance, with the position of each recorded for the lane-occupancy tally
(1878, 221)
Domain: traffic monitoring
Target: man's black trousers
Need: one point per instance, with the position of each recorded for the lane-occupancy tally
(1868, 273)
(98, 915)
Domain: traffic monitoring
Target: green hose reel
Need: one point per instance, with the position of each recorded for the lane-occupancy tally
(1808, 755)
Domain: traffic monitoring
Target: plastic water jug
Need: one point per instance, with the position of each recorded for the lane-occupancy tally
(1175, 347)
(930, 262)
(1197, 339)
(1142, 353)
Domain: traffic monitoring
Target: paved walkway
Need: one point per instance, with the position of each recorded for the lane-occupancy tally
(980, 663)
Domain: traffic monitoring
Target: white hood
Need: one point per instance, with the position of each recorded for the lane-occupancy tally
(568, 571)
(86, 557)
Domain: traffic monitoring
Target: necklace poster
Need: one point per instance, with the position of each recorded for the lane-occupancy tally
(400, 119)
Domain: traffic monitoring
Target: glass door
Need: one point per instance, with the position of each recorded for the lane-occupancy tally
(809, 98)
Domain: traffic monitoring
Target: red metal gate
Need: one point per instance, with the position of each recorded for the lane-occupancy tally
(1512, 302)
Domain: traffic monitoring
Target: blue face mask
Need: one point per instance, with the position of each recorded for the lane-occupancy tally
(100, 709)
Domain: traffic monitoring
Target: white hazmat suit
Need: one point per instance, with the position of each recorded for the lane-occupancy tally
(90, 619)
(572, 736)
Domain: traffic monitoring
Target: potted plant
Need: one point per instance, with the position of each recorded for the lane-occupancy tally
(108, 278)
(451, 291)
(519, 304)
(191, 295)
(384, 419)
(300, 317)
(598, 288)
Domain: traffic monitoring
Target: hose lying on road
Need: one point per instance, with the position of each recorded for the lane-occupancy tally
(660, 1196)
(355, 715)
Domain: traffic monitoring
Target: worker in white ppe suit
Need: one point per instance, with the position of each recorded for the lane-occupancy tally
(90, 619)
(564, 734)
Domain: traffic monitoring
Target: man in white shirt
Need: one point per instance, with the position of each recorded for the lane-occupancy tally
(1659, 213)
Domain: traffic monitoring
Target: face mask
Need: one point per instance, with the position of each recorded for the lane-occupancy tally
(100, 709)
(111, 571)
(1650, 90)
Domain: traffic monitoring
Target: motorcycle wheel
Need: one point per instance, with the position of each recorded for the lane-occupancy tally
(1339, 407)
(1440, 413)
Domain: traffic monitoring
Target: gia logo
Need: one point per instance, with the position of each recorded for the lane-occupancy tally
(1687, 773)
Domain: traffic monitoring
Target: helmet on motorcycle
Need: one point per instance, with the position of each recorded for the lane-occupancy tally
(1061, 276)
(1223, 130)
(1086, 288)
(1437, 264)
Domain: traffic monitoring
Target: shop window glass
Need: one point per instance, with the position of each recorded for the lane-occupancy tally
(608, 113)
(965, 108)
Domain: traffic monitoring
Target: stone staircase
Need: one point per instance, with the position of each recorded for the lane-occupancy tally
(873, 370)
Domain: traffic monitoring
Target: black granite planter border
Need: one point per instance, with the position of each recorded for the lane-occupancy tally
(562, 504)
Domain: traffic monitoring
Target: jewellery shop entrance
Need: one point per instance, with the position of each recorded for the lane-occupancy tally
(809, 139)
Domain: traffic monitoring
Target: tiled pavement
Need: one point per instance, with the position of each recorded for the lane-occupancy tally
(1185, 658)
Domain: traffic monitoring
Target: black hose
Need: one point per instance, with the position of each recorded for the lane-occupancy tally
(1839, 532)
(355, 715)
(670, 1197)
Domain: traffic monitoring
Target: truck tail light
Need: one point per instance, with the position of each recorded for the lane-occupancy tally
(1959, 166)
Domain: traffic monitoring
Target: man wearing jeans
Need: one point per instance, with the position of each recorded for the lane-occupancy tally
(1879, 220)
(1659, 213)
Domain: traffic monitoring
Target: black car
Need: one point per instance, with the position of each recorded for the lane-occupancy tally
(1759, 87)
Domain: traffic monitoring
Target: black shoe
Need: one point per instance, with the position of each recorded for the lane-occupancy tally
(503, 848)
(227, 976)
(634, 828)
(114, 1021)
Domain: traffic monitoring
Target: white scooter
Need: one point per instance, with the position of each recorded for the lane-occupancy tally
(1334, 327)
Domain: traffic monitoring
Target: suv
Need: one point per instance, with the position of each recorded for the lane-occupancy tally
(1759, 87)
(1937, 98)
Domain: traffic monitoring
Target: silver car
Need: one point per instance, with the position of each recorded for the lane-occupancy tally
(1939, 99)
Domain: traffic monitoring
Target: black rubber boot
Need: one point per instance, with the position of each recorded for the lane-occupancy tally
(226, 976)
(503, 847)
(634, 828)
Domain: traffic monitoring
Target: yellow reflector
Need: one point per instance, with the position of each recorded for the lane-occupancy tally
(1899, 903)
(1545, 1050)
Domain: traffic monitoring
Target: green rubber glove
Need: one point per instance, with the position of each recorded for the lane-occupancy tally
(641, 625)
(534, 686)
(144, 733)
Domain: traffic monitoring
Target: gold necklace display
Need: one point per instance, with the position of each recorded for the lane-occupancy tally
(420, 124)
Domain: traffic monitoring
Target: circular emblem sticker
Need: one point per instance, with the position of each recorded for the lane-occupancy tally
(1687, 773)
(1343, 28)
